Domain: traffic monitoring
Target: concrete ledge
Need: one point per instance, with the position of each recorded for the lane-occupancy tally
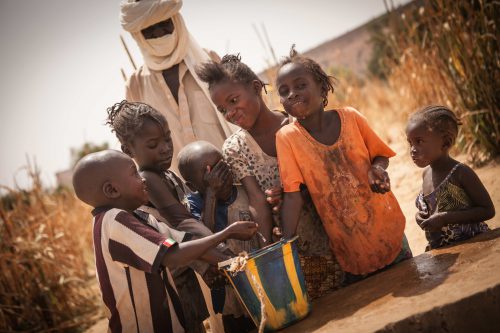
(453, 289)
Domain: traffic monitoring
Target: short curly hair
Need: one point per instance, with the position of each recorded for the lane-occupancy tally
(438, 118)
(230, 68)
(326, 81)
(126, 119)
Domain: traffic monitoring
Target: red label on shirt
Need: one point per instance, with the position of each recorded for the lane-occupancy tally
(168, 242)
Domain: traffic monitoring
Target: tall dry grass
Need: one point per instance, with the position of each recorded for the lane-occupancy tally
(47, 280)
(447, 52)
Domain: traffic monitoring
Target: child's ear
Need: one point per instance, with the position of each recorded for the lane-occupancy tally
(109, 190)
(257, 86)
(447, 141)
(127, 150)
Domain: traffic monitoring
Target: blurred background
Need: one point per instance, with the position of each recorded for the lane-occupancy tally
(63, 63)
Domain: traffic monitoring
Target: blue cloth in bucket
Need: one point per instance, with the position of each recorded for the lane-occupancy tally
(276, 270)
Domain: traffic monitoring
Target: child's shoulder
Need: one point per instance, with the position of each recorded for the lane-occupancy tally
(107, 217)
(235, 140)
(463, 171)
(349, 111)
(288, 129)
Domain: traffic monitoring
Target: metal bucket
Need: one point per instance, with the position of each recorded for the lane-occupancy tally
(272, 275)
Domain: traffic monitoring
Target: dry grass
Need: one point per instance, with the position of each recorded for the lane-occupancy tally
(47, 282)
(446, 52)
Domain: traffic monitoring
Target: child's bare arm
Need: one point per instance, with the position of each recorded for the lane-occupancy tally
(378, 177)
(482, 209)
(184, 253)
(259, 208)
(163, 199)
(290, 212)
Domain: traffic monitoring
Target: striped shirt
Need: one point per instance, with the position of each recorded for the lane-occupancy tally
(138, 291)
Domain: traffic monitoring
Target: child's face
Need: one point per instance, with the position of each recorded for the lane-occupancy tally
(299, 92)
(129, 184)
(152, 147)
(199, 183)
(426, 145)
(238, 102)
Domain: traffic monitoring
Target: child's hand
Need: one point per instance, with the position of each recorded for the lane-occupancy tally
(420, 217)
(216, 177)
(277, 234)
(274, 197)
(379, 179)
(242, 230)
(435, 222)
(214, 278)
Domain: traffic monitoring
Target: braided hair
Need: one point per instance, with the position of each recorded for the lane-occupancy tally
(126, 119)
(325, 80)
(230, 68)
(438, 118)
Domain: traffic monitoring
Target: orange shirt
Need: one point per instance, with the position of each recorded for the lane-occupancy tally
(365, 228)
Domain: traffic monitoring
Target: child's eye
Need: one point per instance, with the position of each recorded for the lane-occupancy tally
(221, 110)
(152, 145)
(283, 92)
(234, 100)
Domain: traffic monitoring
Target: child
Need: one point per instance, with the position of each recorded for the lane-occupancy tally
(218, 203)
(453, 204)
(251, 153)
(342, 162)
(145, 136)
(133, 252)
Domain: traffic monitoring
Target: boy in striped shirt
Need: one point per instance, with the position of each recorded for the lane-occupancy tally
(133, 251)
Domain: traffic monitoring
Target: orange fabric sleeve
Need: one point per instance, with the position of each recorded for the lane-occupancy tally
(374, 144)
(291, 176)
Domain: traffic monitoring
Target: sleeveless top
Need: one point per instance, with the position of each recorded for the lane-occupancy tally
(448, 197)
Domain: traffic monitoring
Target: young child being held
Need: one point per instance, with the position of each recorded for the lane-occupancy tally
(133, 251)
(218, 203)
(453, 204)
(144, 135)
(343, 163)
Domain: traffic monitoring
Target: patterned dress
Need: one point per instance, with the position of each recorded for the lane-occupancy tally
(448, 197)
(321, 270)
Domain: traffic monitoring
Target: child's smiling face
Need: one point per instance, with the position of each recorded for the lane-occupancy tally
(238, 102)
(426, 145)
(129, 184)
(152, 146)
(300, 94)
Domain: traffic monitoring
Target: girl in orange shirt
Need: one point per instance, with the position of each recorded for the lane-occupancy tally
(343, 164)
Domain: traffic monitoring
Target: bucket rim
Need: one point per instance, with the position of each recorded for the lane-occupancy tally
(259, 252)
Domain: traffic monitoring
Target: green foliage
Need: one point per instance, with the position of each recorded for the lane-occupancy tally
(85, 149)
